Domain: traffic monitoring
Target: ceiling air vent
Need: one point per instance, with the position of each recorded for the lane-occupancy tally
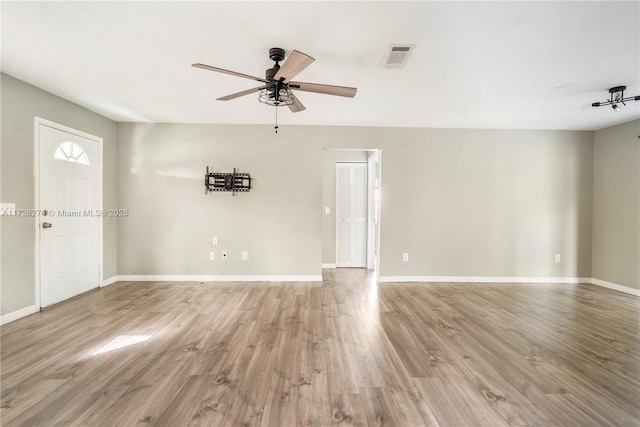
(397, 55)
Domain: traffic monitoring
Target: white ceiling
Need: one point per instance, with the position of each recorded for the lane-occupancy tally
(526, 65)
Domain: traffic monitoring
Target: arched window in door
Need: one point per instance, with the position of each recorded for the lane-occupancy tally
(71, 152)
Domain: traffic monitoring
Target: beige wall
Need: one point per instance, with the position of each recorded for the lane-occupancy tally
(20, 103)
(488, 203)
(616, 205)
(172, 221)
(461, 202)
(329, 160)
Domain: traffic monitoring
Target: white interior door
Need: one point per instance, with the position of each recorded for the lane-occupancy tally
(69, 220)
(351, 215)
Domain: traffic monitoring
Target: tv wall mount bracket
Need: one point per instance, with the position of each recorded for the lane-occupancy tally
(227, 181)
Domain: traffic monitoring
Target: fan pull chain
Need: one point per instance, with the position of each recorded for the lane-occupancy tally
(276, 119)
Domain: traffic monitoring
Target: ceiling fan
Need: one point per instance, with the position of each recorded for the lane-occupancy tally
(277, 88)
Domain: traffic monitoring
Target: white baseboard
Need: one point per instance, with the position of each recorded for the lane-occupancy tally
(206, 278)
(110, 281)
(482, 279)
(616, 287)
(328, 266)
(18, 314)
(486, 279)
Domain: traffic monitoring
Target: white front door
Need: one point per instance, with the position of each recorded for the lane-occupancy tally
(351, 215)
(69, 220)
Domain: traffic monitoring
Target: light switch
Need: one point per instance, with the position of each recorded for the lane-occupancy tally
(327, 210)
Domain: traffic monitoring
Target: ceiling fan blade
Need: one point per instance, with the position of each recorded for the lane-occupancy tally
(349, 92)
(297, 105)
(294, 64)
(239, 94)
(233, 73)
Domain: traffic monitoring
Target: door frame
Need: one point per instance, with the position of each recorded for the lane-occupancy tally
(37, 122)
(372, 228)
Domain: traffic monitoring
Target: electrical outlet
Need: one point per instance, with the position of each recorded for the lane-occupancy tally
(214, 240)
(245, 256)
(224, 254)
(405, 256)
(557, 257)
(212, 256)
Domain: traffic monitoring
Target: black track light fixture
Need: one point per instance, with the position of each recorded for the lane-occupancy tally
(616, 97)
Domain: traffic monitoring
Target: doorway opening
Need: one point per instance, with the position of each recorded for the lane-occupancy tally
(351, 208)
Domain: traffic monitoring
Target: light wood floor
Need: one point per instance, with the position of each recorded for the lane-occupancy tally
(342, 352)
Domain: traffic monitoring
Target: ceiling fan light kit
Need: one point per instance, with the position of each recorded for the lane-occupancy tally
(616, 97)
(277, 88)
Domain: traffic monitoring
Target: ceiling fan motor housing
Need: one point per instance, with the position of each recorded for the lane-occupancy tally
(270, 73)
(276, 54)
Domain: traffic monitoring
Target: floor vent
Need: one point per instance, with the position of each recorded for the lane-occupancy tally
(397, 55)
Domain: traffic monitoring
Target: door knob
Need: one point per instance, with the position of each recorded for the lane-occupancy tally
(46, 225)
